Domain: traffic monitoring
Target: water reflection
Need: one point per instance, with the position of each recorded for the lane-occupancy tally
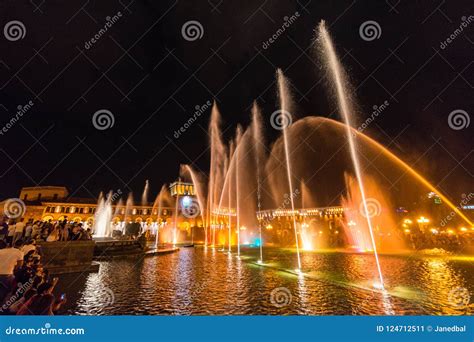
(199, 281)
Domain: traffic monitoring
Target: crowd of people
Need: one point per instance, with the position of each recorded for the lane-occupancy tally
(25, 285)
(12, 231)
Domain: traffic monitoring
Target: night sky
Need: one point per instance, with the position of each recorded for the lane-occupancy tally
(151, 79)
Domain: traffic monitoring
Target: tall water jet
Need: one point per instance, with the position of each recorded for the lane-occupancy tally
(229, 196)
(237, 156)
(344, 103)
(117, 213)
(128, 208)
(199, 192)
(145, 193)
(158, 206)
(259, 153)
(103, 217)
(285, 120)
(306, 237)
(175, 225)
(217, 150)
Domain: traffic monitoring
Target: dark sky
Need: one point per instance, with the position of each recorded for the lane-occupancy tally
(151, 79)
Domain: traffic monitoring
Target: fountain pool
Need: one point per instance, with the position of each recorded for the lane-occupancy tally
(204, 281)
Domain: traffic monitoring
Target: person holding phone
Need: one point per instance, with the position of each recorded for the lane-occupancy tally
(44, 302)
